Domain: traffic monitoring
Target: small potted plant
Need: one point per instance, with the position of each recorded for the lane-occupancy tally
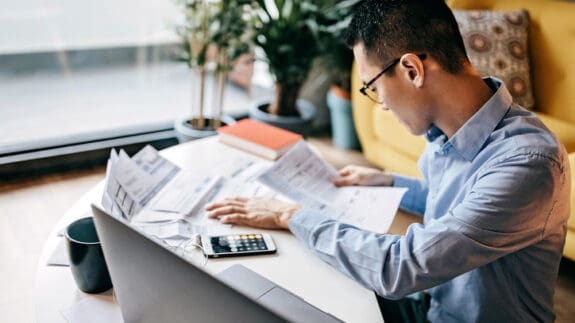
(213, 34)
(288, 32)
(292, 34)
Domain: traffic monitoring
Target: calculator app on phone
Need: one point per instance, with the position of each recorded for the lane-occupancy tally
(238, 244)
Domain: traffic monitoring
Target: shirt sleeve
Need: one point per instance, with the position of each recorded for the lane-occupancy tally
(414, 199)
(506, 211)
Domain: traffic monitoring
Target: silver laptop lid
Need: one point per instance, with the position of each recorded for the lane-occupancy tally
(153, 284)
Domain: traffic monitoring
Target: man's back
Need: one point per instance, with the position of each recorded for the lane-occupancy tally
(495, 197)
(495, 201)
(499, 191)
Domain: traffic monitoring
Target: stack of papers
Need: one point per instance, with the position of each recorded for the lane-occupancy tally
(306, 178)
(149, 182)
(168, 203)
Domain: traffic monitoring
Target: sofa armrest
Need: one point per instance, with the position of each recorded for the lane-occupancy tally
(569, 251)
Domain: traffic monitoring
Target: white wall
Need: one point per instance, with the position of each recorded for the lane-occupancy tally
(48, 25)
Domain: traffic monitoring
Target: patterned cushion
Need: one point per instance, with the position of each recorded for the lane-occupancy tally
(496, 43)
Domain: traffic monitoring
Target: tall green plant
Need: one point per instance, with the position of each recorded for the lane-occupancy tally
(293, 34)
(218, 28)
(288, 32)
(337, 57)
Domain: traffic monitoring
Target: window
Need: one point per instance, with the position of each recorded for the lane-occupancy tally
(77, 73)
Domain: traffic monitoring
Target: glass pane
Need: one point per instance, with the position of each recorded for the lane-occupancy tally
(81, 70)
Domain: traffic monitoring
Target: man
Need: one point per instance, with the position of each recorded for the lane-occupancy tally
(495, 192)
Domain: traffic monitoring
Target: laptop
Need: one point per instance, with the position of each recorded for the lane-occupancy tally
(153, 284)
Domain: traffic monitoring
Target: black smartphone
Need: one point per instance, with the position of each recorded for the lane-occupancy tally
(238, 245)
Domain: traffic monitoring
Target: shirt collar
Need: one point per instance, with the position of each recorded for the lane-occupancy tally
(469, 139)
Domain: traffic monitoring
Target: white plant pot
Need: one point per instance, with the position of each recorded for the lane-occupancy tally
(301, 124)
(185, 132)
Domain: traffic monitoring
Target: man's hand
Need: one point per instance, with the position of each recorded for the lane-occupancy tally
(363, 176)
(256, 212)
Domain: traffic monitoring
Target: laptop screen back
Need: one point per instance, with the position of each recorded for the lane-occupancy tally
(152, 284)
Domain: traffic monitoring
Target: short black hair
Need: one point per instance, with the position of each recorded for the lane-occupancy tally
(391, 28)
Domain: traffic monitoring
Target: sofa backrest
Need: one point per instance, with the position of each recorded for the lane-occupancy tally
(551, 46)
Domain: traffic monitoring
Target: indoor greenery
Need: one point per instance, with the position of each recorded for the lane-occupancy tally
(337, 58)
(293, 34)
(213, 33)
(288, 31)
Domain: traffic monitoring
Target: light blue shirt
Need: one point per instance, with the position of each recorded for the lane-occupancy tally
(495, 202)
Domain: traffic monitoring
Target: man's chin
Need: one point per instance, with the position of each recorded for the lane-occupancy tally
(413, 131)
(404, 124)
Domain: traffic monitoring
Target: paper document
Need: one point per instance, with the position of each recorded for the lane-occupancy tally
(179, 229)
(239, 179)
(147, 180)
(244, 182)
(185, 193)
(113, 189)
(306, 178)
(167, 202)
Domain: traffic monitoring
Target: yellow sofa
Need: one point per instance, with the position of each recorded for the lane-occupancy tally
(388, 144)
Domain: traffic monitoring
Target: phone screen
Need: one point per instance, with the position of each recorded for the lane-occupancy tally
(238, 244)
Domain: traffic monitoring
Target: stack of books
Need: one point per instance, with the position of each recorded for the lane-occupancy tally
(258, 138)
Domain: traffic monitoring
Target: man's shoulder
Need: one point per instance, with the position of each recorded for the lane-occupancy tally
(524, 128)
(521, 133)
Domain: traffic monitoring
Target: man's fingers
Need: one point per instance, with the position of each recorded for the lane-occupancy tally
(258, 220)
(214, 205)
(236, 204)
(234, 218)
(234, 201)
(241, 219)
(239, 199)
(339, 182)
(345, 171)
(224, 210)
(347, 181)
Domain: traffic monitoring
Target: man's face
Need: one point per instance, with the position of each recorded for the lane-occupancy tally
(395, 92)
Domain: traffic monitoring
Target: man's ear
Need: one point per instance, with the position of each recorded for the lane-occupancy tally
(412, 68)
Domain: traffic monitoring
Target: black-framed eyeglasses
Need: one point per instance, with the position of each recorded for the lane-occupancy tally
(365, 87)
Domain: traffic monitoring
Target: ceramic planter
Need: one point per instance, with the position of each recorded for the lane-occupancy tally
(301, 124)
(342, 125)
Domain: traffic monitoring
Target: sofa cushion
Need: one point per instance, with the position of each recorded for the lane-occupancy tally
(496, 44)
(551, 38)
(563, 130)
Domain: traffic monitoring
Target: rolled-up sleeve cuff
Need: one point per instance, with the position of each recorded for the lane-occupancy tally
(303, 223)
(402, 181)
(409, 202)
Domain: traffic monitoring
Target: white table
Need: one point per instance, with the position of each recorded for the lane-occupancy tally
(293, 267)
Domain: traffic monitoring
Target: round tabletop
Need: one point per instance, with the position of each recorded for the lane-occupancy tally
(293, 267)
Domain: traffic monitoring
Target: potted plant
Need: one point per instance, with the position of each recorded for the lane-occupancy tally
(338, 60)
(288, 32)
(213, 34)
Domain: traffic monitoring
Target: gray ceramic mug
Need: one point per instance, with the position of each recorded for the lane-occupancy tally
(86, 257)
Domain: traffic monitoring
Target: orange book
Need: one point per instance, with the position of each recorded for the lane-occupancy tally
(258, 138)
